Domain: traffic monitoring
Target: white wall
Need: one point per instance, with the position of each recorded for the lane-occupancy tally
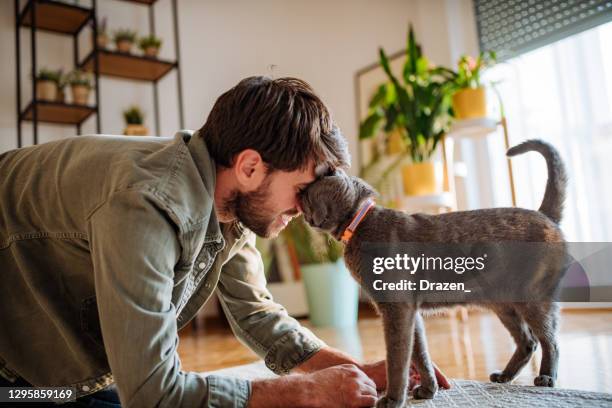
(323, 42)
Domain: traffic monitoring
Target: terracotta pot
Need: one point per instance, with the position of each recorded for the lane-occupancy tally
(124, 46)
(80, 94)
(135, 130)
(470, 103)
(102, 41)
(423, 178)
(151, 51)
(46, 90)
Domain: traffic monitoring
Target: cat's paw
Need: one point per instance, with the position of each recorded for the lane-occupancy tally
(422, 392)
(499, 377)
(544, 381)
(386, 402)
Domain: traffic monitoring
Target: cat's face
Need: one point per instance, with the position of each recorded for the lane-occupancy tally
(329, 201)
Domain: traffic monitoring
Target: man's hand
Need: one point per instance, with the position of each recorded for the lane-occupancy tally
(378, 373)
(343, 385)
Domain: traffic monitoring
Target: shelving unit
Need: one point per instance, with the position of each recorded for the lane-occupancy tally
(69, 19)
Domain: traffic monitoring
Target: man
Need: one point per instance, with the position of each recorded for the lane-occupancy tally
(109, 245)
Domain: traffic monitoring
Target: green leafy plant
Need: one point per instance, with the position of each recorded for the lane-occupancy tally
(79, 78)
(470, 68)
(310, 245)
(149, 41)
(417, 104)
(124, 35)
(133, 115)
(45, 74)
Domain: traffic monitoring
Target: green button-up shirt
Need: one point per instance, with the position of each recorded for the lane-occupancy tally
(108, 246)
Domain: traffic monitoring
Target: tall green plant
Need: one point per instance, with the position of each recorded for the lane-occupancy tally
(418, 105)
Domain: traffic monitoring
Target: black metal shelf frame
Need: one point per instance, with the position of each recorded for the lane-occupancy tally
(27, 17)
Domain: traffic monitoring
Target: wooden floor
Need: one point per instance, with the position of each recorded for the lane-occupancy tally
(469, 349)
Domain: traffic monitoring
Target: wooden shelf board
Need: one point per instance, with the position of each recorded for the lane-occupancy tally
(472, 128)
(128, 66)
(56, 16)
(59, 113)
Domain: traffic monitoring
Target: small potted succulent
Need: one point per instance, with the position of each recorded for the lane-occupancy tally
(80, 85)
(47, 83)
(124, 40)
(102, 37)
(134, 119)
(469, 99)
(150, 45)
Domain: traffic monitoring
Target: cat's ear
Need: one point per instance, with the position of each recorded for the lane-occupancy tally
(363, 189)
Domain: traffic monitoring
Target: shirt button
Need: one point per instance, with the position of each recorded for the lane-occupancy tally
(85, 388)
(201, 265)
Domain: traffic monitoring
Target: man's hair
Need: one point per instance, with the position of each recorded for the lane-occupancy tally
(282, 119)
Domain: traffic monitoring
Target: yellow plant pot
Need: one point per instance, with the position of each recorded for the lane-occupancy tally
(422, 178)
(135, 130)
(470, 103)
(46, 90)
(80, 94)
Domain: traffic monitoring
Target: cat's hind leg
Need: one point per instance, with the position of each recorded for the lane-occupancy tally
(526, 343)
(543, 319)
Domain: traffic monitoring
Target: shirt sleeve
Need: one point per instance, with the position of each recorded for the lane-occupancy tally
(134, 248)
(260, 323)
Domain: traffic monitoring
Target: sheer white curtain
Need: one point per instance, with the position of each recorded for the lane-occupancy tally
(561, 93)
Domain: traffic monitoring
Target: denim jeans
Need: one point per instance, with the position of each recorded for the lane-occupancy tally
(106, 398)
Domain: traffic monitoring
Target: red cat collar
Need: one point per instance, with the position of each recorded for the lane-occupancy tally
(361, 213)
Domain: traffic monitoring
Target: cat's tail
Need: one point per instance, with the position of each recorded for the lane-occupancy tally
(554, 196)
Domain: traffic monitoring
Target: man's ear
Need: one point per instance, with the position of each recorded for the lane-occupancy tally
(249, 169)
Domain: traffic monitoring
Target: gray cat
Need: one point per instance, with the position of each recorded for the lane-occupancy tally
(330, 203)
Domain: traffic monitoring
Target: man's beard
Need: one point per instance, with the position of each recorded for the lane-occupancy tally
(251, 209)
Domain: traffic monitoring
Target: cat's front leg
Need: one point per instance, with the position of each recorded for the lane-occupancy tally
(398, 321)
(429, 385)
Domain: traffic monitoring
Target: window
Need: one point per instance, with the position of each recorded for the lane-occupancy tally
(561, 93)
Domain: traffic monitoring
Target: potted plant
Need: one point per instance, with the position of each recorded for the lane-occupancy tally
(150, 45)
(417, 107)
(80, 85)
(124, 39)
(102, 37)
(46, 84)
(469, 100)
(134, 119)
(61, 87)
(331, 292)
